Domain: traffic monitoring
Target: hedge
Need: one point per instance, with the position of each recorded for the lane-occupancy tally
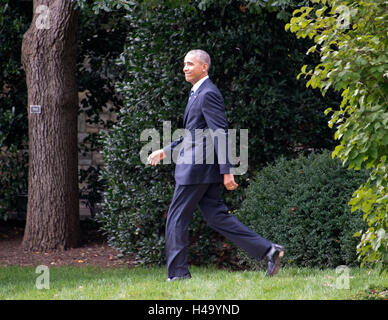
(303, 205)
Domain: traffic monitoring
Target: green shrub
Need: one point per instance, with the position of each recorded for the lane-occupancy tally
(15, 20)
(13, 181)
(303, 205)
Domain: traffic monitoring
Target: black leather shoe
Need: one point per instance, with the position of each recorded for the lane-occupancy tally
(273, 259)
(185, 277)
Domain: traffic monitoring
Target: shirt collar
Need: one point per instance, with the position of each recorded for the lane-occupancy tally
(198, 84)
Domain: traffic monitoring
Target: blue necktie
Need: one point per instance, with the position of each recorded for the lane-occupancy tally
(191, 94)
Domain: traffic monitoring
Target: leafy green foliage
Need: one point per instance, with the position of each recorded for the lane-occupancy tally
(13, 116)
(351, 39)
(254, 65)
(13, 181)
(100, 41)
(302, 204)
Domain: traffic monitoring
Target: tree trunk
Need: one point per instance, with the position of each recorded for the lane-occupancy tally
(49, 52)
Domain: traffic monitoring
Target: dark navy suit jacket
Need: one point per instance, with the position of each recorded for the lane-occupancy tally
(201, 153)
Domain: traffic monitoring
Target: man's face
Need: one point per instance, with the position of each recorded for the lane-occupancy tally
(194, 69)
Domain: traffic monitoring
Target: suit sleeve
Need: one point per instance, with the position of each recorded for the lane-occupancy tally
(213, 110)
(172, 145)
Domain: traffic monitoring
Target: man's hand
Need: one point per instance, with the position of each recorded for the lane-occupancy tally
(229, 182)
(154, 158)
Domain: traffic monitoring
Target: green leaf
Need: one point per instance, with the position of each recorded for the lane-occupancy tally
(320, 11)
(337, 150)
(384, 140)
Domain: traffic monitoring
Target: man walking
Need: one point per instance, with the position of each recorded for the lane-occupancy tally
(198, 183)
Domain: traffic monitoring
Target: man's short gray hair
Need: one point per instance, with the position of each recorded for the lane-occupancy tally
(202, 56)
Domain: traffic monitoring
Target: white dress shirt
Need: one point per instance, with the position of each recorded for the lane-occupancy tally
(198, 84)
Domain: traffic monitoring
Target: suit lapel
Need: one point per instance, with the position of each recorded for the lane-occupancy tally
(189, 104)
(191, 101)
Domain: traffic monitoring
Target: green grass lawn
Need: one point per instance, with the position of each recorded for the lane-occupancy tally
(77, 283)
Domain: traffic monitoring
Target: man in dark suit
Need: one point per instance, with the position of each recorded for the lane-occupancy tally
(199, 178)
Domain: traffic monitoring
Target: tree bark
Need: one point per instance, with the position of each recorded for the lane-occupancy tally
(49, 52)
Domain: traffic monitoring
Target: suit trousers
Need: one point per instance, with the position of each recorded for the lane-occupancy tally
(208, 198)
